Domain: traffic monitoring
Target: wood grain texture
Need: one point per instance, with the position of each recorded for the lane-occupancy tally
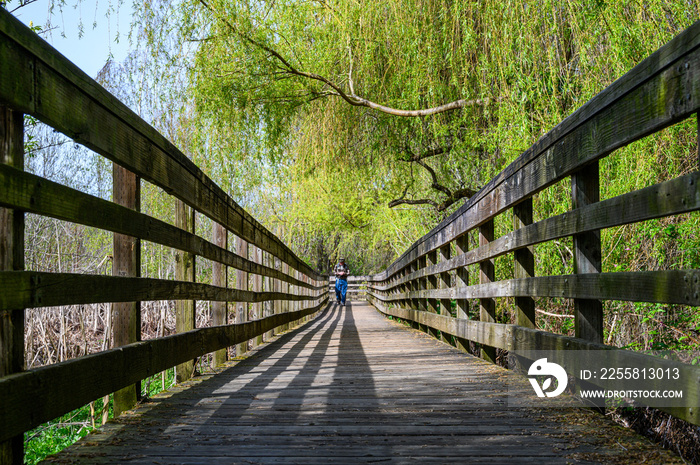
(42, 394)
(524, 266)
(30, 289)
(668, 198)
(462, 280)
(588, 313)
(219, 278)
(660, 91)
(11, 259)
(34, 194)
(487, 274)
(517, 339)
(671, 287)
(38, 80)
(185, 310)
(11, 244)
(242, 284)
(126, 262)
(352, 387)
(255, 254)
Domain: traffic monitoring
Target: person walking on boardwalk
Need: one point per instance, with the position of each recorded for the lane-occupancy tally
(341, 271)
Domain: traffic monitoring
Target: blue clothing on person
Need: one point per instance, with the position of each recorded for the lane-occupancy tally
(341, 271)
(341, 288)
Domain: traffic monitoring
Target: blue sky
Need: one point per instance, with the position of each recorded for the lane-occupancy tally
(91, 51)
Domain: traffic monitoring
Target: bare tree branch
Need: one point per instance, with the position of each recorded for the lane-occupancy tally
(452, 197)
(350, 98)
(435, 185)
(21, 4)
(458, 194)
(404, 201)
(397, 202)
(350, 82)
(430, 153)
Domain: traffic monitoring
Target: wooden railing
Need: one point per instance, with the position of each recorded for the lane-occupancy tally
(432, 275)
(357, 288)
(36, 80)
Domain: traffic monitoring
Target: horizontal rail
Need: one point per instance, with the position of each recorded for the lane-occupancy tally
(670, 287)
(34, 194)
(39, 81)
(660, 91)
(431, 285)
(27, 403)
(680, 195)
(30, 289)
(516, 338)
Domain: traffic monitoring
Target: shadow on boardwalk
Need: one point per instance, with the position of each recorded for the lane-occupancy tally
(353, 387)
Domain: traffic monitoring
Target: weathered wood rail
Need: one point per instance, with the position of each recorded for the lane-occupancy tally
(36, 80)
(357, 287)
(422, 286)
(431, 278)
(352, 387)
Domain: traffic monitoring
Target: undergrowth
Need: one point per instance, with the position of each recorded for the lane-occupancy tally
(54, 436)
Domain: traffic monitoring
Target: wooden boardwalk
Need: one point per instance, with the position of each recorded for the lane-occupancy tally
(354, 387)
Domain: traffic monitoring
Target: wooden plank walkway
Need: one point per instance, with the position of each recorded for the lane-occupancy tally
(354, 387)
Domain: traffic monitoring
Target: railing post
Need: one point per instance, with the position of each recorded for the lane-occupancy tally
(406, 287)
(267, 287)
(294, 290)
(184, 271)
(414, 287)
(487, 274)
(585, 190)
(305, 293)
(422, 287)
(242, 285)
(431, 284)
(289, 290)
(462, 280)
(219, 310)
(524, 266)
(11, 259)
(300, 292)
(255, 255)
(445, 283)
(284, 289)
(277, 287)
(126, 316)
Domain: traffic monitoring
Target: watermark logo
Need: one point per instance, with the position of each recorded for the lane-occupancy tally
(553, 371)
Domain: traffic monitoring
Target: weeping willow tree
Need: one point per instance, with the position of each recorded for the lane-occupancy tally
(353, 127)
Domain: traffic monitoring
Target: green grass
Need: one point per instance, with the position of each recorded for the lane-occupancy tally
(54, 436)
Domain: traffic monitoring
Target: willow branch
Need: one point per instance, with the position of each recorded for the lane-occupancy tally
(397, 202)
(456, 195)
(351, 98)
(345, 217)
(404, 201)
(430, 153)
(350, 82)
(435, 185)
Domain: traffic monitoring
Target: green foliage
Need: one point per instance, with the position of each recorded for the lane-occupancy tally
(322, 171)
(56, 435)
(158, 383)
